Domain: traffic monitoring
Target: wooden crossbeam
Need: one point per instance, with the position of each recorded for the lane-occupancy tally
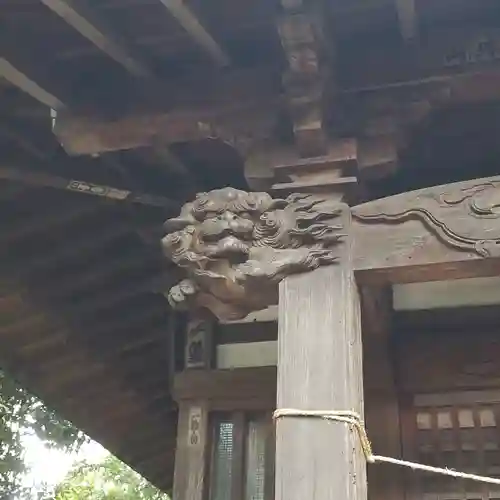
(94, 28)
(197, 31)
(227, 106)
(78, 186)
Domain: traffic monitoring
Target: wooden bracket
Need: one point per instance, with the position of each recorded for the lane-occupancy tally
(305, 78)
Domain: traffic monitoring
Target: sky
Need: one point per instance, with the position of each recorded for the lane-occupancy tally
(50, 466)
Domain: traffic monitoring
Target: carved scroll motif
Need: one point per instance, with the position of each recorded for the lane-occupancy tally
(236, 246)
(465, 217)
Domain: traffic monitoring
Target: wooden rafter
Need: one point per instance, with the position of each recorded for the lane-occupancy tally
(407, 18)
(23, 68)
(95, 29)
(197, 31)
(30, 84)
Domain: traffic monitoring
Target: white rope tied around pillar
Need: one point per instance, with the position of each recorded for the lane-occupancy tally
(353, 420)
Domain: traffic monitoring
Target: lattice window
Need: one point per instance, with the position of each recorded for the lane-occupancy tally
(459, 431)
(242, 460)
(222, 460)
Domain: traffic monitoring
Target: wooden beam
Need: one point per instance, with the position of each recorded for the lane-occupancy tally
(407, 16)
(241, 120)
(316, 459)
(111, 193)
(436, 233)
(245, 384)
(196, 31)
(233, 106)
(94, 28)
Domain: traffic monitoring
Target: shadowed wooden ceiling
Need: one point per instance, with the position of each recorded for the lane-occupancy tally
(83, 322)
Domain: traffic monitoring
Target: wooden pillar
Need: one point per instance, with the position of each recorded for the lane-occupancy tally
(191, 451)
(193, 429)
(320, 368)
(381, 398)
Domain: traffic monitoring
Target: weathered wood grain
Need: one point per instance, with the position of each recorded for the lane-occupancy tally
(191, 452)
(320, 369)
(253, 388)
(450, 231)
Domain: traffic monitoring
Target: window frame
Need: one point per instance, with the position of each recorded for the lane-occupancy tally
(241, 423)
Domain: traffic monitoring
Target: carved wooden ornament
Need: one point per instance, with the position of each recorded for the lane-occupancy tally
(236, 246)
(464, 216)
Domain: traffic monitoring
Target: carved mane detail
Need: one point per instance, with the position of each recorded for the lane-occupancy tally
(236, 246)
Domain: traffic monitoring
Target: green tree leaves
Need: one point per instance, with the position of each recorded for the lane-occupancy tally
(110, 480)
(21, 413)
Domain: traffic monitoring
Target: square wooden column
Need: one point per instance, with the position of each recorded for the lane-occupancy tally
(320, 368)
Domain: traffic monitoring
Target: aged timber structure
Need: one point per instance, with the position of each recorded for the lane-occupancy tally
(213, 210)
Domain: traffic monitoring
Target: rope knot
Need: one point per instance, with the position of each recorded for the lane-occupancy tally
(351, 418)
